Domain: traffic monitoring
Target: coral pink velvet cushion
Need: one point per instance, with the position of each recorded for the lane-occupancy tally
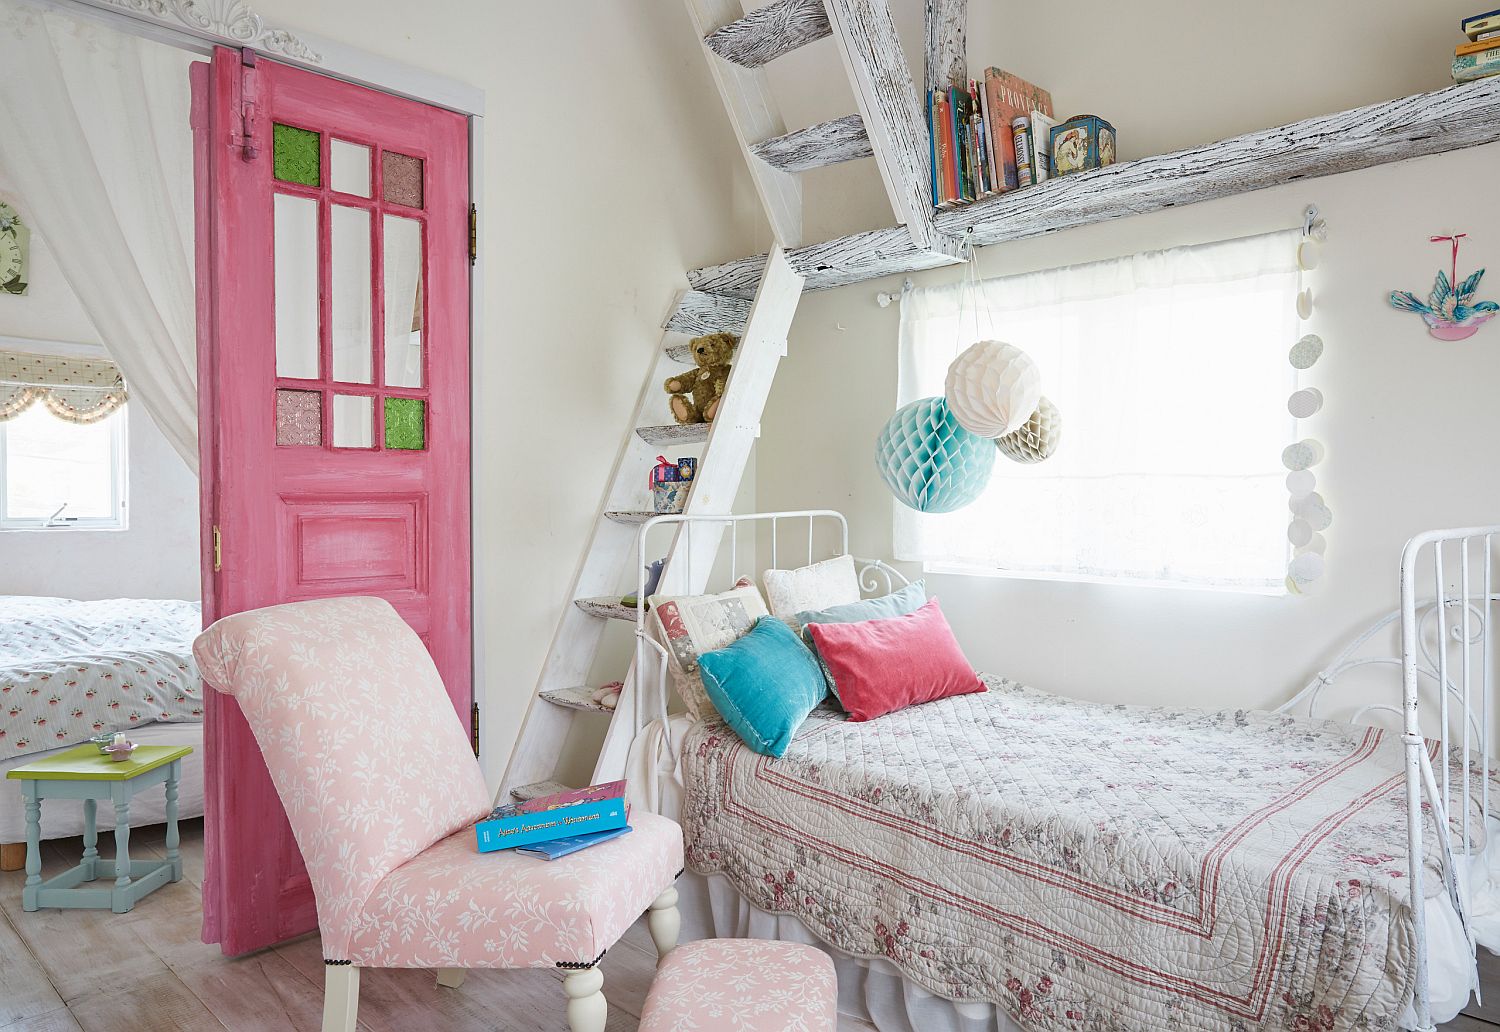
(881, 666)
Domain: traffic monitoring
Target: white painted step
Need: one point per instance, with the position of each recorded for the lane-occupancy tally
(578, 697)
(827, 143)
(698, 312)
(606, 608)
(674, 434)
(631, 517)
(537, 789)
(768, 32)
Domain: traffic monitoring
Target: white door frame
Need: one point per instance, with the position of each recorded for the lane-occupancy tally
(199, 26)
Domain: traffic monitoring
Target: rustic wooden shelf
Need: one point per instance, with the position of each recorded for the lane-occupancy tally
(1449, 119)
(606, 608)
(579, 697)
(674, 434)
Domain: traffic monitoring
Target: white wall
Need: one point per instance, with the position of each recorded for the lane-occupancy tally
(155, 557)
(1408, 425)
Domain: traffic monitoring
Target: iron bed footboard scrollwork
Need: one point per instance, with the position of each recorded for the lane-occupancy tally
(1445, 616)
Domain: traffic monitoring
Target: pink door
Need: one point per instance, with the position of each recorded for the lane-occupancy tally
(334, 387)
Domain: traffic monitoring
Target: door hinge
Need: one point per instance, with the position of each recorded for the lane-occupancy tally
(218, 553)
(474, 727)
(246, 139)
(473, 234)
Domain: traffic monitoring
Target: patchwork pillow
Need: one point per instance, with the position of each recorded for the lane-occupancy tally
(764, 685)
(898, 603)
(881, 666)
(832, 582)
(691, 625)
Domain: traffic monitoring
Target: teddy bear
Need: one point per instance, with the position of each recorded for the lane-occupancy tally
(706, 384)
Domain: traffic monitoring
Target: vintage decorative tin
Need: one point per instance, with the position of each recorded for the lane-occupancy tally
(1020, 130)
(670, 495)
(687, 467)
(1081, 143)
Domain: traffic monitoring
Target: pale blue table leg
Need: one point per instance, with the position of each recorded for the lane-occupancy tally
(173, 838)
(90, 840)
(122, 901)
(33, 845)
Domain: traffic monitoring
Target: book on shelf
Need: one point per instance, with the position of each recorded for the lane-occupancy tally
(568, 814)
(559, 848)
(1477, 46)
(1469, 67)
(1010, 97)
(1477, 24)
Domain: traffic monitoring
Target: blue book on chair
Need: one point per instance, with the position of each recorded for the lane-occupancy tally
(565, 846)
(564, 815)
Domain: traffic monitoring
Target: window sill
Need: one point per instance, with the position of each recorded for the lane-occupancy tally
(81, 525)
(965, 570)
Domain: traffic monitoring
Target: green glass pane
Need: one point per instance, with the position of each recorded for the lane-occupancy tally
(406, 423)
(297, 158)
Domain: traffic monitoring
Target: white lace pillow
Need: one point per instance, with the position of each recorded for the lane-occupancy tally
(691, 625)
(832, 582)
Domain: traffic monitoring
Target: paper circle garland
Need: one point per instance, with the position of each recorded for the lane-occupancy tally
(1305, 569)
(1305, 303)
(929, 461)
(1305, 403)
(992, 388)
(1307, 255)
(1036, 439)
(1317, 543)
(1299, 533)
(1306, 352)
(1300, 482)
(1302, 454)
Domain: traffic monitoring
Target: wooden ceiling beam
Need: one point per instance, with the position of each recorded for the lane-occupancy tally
(827, 143)
(1445, 120)
(945, 26)
(765, 34)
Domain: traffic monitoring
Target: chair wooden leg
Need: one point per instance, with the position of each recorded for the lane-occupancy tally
(665, 922)
(587, 1011)
(12, 856)
(340, 997)
(451, 978)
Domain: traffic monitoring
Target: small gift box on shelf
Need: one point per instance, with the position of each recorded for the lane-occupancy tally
(669, 488)
(1081, 143)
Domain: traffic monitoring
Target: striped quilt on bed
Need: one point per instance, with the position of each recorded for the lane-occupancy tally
(1084, 866)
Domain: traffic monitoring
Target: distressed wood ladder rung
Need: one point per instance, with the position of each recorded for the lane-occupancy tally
(765, 34)
(827, 143)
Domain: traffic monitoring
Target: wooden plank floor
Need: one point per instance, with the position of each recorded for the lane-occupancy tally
(90, 969)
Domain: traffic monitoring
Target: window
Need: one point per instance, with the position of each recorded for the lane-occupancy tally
(1170, 373)
(57, 474)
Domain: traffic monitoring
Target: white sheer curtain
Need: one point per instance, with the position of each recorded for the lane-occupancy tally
(1170, 372)
(94, 135)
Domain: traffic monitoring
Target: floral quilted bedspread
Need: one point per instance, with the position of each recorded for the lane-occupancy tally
(70, 670)
(1085, 866)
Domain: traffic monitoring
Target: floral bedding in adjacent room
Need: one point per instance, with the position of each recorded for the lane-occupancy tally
(1084, 866)
(70, 670)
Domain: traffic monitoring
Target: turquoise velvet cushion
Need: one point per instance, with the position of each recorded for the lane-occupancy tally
(764, 685)
(898, 603)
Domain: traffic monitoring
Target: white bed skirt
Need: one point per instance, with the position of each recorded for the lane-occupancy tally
(63, 818)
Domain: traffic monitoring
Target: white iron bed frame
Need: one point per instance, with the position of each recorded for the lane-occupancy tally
(1446, 599)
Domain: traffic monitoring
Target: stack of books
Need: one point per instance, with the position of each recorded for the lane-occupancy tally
(974, 134)
(554, 826)
(1479, 55)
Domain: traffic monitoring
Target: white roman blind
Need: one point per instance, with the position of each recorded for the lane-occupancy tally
(1170, 372)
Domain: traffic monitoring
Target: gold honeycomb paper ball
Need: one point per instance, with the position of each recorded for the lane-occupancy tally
(1037, 438)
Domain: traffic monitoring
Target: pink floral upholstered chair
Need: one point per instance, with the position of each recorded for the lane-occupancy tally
(381, 790)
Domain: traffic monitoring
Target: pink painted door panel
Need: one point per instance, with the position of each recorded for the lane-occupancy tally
(333, 368)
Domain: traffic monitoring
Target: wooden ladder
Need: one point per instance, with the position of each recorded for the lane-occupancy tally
(888, 127)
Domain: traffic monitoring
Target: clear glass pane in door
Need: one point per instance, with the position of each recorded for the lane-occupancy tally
(295, 254)
(353, 421)
(350, 171)
(403, 301)
(349, 273)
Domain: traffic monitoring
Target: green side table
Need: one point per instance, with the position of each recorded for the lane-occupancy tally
(83, 773)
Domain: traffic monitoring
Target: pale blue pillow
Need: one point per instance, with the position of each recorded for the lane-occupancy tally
(898, 603)
(764, 685)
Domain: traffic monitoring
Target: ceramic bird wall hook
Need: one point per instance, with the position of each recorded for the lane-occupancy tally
(1450, 312)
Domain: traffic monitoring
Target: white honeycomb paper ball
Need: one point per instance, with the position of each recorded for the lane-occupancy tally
(1036, 439)
(992, 388)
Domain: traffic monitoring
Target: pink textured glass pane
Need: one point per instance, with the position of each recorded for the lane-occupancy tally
(299, 417)
(403, 179)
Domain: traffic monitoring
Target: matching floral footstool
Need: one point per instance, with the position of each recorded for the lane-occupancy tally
(749, 985)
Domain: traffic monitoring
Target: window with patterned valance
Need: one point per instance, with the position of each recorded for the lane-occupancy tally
(79, 390)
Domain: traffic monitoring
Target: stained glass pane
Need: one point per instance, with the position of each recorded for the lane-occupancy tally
(353, 421)
(403, 302)
(295, 256)
(295, 155)
(405, 423)
(349, 274)
(403, 179)
(299, 417)
(350, 167)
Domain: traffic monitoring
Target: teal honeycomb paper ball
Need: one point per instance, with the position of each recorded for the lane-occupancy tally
(929, 461)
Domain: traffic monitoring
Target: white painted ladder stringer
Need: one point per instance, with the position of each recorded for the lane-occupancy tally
(607, 571)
